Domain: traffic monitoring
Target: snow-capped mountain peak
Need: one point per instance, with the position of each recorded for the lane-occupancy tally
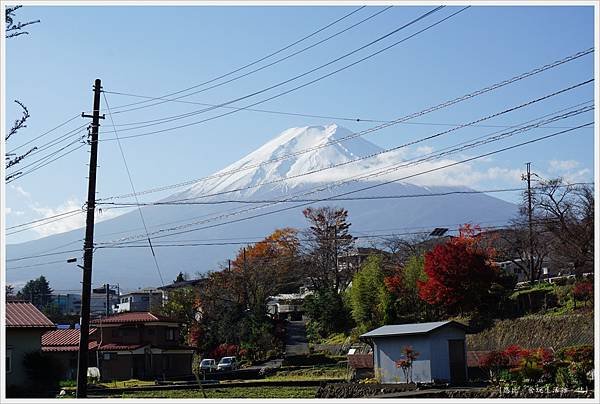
(294, 152)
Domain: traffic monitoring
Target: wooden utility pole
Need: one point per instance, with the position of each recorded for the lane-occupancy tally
(88, 248)
(529, 215)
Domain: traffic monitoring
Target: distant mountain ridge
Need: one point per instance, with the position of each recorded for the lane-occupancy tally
(290, 155)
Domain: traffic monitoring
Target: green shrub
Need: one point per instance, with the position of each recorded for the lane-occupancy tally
(68, 383)
(562, 377)
(539, 297)
(44, 374)
(580, 360)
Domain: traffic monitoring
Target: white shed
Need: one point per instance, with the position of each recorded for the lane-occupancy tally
(441, 352)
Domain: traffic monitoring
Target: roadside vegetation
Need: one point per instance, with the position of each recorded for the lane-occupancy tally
(232, 392)
(311, 373)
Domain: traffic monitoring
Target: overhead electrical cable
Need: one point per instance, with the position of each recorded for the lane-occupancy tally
(34, 226)
(356, 198)
(42, 255)
(255, 61)
(133, 189)
(236, 77)
(178, 117)
(365, 188)
(394, 167)
(20, 175)
(405, 118)
(43, 134)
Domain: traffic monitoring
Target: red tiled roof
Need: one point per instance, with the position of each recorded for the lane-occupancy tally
(92, 346)
(64, 340)
(24, 314)
(119, 347)
(131, 317)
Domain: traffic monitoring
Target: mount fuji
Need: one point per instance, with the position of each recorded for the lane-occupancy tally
(306, 164)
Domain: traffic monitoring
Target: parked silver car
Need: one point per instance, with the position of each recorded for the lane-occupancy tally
(228, 363)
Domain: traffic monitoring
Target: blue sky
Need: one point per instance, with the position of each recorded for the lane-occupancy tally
(157, 50)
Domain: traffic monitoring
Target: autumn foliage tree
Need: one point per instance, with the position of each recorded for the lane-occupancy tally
(328, 239)
(233, 300)
(403, 284)
(459, 273)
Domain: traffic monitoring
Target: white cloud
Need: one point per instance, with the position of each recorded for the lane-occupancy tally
(424, 149)
(67, 222)
(569, 170)
(20, 191)
(8, 211)
(577, 176)
(558, 166)
(466, 175)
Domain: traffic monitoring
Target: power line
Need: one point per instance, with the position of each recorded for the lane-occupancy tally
(256, 240)
(379, 172)
(287, 81)
(255, 61)
(133, 189)
(239, 76)
(20, 175)
(52, 154)
(45, 223)
(183, 202)
(43, 219)
(43, 134)
(178, 117)
(384, 151)
(42, 255)
(387, 170)
(328, 117)
(38, 265)
(58, 140)
(356, 198)
(405, 118)
(206, 195)
(379, 184)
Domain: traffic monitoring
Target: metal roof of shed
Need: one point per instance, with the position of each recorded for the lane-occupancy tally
(410, 329)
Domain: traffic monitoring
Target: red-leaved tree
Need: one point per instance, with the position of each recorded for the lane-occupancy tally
(459, 276)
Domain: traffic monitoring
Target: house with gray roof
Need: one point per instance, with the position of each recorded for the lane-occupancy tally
(439, 347)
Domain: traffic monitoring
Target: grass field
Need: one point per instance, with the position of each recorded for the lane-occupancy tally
(233, 392)
(315, 373)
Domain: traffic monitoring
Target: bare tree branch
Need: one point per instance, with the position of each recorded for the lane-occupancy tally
(19, 123)
(13, 30)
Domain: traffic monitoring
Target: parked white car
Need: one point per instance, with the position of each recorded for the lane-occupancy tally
(228, 363)
(208, 365)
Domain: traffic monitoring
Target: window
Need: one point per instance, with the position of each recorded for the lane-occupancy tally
(8, 360)
(106, 356)
(170, 334)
